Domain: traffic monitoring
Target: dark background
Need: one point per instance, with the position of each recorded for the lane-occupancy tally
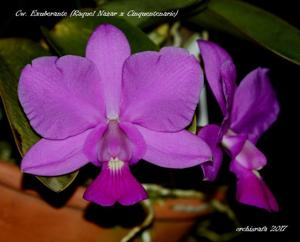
(279, 143)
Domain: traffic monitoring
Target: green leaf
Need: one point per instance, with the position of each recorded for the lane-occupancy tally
(70, 35)
(193, 126)
(14, 55)
(149, 6)
(58, 183)
(244, 20)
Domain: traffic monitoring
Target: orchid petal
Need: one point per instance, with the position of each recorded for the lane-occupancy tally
(251, 189)
(255, 105)
(209, 134)
(55, 157)
(244, 151)
(115, 184)
(233, 142)
(161, 89)
(114, 139)
(220, 73)
(174, 150)
(137, 142)
(91, 145)
(108, 48)
(250, 157)
(50, 91)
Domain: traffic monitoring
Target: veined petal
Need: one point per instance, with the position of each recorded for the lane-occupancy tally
(209, 134)
(137, 142)
(220, 73)
(55, 157)
(51, 93)
(114, 144)
(251, 189)
(161, 89)
(174, 150)
(115, 184)
(108, 48)
(91, 145)
(255, 105)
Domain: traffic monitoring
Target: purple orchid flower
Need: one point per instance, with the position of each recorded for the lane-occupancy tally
(112, 109)
(248, 111)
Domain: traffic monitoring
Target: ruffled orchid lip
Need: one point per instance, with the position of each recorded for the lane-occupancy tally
(115, 183)
(251, 188)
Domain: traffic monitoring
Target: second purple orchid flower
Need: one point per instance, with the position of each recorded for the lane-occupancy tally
(248, 111)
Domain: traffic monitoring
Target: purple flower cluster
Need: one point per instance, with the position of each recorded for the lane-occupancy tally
(248, 111)
(113, 108)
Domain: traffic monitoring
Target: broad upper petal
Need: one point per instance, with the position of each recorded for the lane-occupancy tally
(61, 97)
(255, 105)
(161, 89)
(174, 150)
(220, 73)
(55, 157)
(108, 48)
